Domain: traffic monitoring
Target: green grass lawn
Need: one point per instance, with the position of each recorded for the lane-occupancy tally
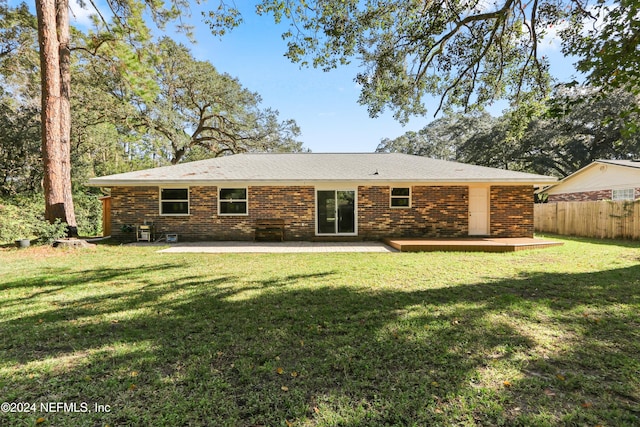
(534, 338)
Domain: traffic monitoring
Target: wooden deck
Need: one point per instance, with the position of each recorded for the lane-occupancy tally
(470, 244)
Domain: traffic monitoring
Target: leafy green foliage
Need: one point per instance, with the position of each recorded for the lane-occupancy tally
(606, 38)
(442, 138)
(581, 126)
(15, 222)
(48, 232)
(573, 128)
(222, 19)
(195, 113)
(135, 104)
(22, 216)
(123, 37)
(17, 30)
(20, 159)
(88, 212)
(467, 53)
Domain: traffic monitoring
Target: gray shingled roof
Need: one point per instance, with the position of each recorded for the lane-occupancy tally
(313, 167)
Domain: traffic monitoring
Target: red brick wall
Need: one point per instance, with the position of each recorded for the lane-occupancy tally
(134, 205)
(296, 205)
(511, 211)
(436, 211)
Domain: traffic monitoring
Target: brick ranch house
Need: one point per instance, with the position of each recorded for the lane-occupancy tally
(324, 196)
(601, 180)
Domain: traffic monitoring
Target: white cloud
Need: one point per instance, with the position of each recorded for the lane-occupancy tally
(81, 16)
(484, 6)
(551, 40)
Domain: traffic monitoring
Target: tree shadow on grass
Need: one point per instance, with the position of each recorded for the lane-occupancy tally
(225, 352)
(66, 277)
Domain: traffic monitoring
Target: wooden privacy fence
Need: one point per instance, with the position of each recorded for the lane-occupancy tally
(601, 219)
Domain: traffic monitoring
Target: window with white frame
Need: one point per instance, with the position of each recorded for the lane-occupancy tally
(400, 197)
(174, 201)
(232, 201)
(623, 194)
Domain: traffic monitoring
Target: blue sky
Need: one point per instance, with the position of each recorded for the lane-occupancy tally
(324, 104)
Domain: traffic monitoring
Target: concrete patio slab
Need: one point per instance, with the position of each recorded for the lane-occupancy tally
(276, 247)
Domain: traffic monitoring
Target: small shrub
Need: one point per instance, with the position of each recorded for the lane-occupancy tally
(22, 217)
(88, 214)
(48, 233)
(17, 221)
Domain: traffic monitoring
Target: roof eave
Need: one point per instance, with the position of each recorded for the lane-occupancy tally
(173, 182)
(634, 164)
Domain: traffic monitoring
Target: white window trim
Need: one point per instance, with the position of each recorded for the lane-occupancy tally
(188, 200)
(246, 200)
(623, 191)
(391, 197)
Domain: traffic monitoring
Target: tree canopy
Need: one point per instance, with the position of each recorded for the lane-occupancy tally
(19, 101)
(572, 129)
(133, 105)
(442, 138)
(195, 111)
(465, 52)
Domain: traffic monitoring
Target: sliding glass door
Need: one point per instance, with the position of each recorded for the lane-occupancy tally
(336, 211)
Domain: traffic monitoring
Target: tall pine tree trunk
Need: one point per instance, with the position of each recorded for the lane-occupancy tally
(55, 68)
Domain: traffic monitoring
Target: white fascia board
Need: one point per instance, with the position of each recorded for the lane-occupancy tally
(97, 182)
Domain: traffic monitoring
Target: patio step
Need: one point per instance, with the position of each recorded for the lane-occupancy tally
(469, 244)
